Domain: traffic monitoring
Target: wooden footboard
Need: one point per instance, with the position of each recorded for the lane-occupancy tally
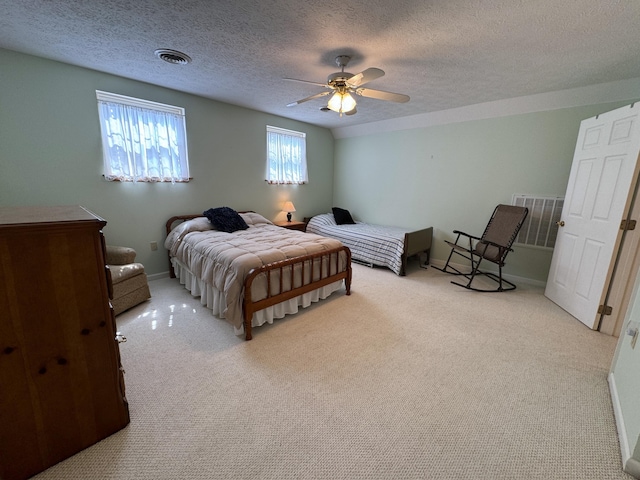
(415, 243)
(322, 268)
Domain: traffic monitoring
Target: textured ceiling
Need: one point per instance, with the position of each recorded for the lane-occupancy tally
(442, 53)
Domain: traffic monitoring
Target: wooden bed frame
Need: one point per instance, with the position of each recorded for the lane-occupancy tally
(319, 264)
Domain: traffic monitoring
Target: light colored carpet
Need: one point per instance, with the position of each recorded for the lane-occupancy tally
(408, 378)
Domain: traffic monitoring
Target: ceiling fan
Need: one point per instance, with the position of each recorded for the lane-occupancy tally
(342, 84)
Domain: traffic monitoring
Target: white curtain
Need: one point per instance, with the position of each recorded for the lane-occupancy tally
(143, 145)
(286, 157)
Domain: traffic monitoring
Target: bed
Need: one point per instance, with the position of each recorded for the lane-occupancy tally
(254, 275)
(374, 244)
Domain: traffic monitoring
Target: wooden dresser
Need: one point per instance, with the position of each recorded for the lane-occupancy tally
(61, 381)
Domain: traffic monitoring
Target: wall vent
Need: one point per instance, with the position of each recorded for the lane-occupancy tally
(539, 229)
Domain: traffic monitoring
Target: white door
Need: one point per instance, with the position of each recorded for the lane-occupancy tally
(599, 193)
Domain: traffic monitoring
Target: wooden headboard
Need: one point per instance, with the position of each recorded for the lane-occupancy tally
(179, 219)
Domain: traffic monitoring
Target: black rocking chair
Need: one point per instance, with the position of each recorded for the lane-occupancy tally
(493, 246)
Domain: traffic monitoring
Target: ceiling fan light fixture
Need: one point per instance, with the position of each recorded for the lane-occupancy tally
(341, 85)
(341, 102)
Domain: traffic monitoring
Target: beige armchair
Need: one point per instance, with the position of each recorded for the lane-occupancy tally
(129, 281)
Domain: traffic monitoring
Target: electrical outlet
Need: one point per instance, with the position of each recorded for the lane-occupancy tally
(154, 246)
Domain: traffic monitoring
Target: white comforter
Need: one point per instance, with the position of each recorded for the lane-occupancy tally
(223, 260)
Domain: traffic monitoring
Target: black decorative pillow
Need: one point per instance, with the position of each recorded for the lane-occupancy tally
(225, 219)
(342, 216)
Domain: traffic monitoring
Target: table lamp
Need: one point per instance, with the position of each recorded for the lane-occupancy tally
(288, 207)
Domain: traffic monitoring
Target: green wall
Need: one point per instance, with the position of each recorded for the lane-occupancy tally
(447, 176)
(625, 383)
(51, 155)
(452, 176)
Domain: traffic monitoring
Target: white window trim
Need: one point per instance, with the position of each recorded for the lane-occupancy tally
(284, 131)
(138, 102)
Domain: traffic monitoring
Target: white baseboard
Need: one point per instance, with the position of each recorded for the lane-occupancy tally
(629, 464)
(512, 278)
(158, 276)
(632, 467)
(617, 412)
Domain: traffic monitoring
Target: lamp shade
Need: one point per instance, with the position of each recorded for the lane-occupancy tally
(341, 102)
(288, 207)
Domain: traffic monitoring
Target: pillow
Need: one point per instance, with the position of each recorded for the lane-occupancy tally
(225, 219)
(342, 216)
(255, 219)
(323, 219)
(199, 224)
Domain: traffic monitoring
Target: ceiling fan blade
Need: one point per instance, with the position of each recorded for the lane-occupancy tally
(364, 77)
(317, 95)
(305, 81)
(380, 95)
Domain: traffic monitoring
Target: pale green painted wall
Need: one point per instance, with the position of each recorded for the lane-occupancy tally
(51, 155)
(452, 176)
(626, 372)
(449, 177)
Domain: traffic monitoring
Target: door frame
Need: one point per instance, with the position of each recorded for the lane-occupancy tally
(623, 272)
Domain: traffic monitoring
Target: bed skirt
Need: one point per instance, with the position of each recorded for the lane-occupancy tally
(214, 299)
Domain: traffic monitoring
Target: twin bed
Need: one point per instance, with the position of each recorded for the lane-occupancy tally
(374, 244)
(253, 272)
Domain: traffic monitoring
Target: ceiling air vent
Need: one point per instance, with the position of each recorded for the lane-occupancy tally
(172, 56)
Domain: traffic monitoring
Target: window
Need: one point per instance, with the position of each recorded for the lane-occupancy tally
(286, 156)
(540, 228)
(142, 141)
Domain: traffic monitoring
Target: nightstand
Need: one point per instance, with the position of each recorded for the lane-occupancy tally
(301, 226)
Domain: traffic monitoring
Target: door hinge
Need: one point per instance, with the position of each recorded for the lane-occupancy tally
(605, 310)
(628, 224)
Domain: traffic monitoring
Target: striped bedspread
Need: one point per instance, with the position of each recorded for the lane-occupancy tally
(373, 244)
